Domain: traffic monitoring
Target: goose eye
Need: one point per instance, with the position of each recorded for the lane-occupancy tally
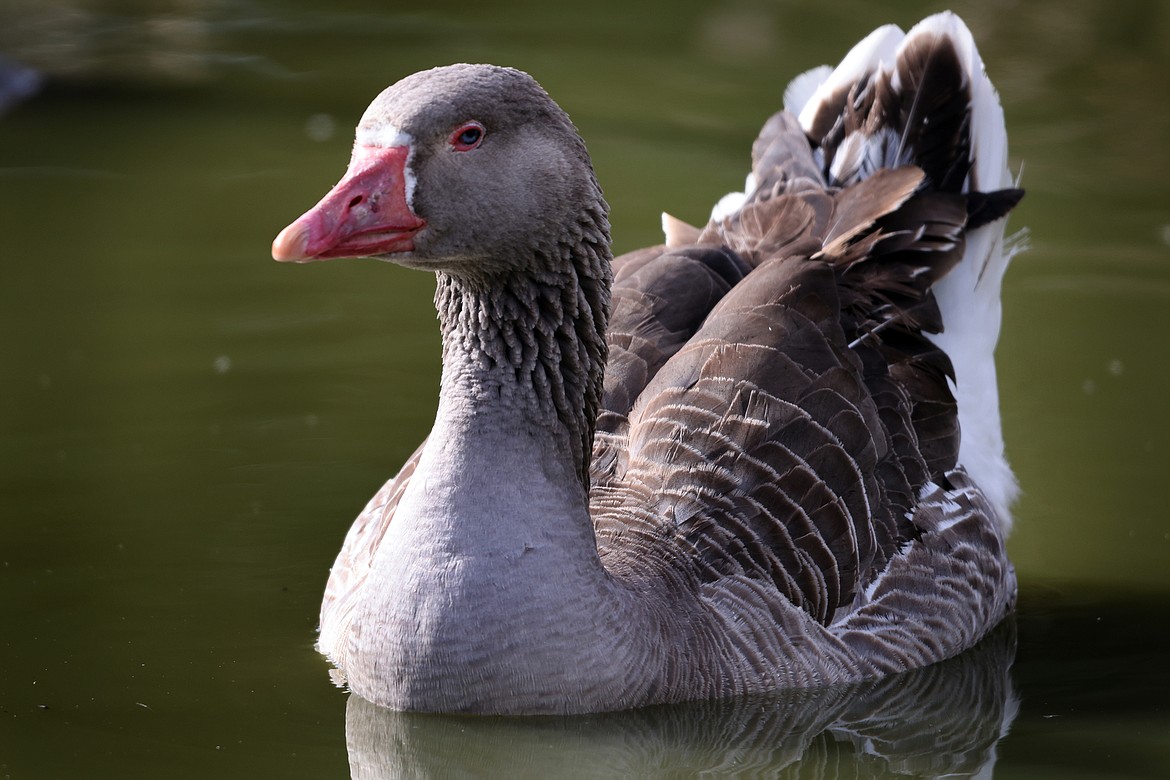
(467, 137)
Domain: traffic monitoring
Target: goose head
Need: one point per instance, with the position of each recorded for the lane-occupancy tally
(465, 169)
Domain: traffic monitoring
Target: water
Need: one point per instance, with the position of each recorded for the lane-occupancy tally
(187, 428)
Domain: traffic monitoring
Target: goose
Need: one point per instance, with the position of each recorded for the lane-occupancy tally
(764, 455)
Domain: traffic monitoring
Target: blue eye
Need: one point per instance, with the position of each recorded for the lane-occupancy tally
(467, 137)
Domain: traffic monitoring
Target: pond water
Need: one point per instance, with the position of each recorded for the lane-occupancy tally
(187, 428)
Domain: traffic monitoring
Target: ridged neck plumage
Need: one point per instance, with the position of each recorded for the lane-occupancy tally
(528, 336)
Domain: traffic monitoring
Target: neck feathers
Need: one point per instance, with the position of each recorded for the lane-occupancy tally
(534, 338)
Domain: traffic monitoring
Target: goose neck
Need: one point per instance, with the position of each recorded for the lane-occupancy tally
(526, 351)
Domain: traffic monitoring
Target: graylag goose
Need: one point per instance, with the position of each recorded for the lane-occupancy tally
(764, 455)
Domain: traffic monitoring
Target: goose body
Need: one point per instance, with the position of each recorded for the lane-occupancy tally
(791, 473)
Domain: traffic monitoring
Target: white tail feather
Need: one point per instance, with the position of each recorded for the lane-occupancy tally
(870, 53)
(801, 89)
(969, 296)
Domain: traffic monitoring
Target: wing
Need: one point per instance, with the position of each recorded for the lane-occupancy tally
(776, 408)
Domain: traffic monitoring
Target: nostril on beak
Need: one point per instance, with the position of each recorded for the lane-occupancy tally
(357, 199)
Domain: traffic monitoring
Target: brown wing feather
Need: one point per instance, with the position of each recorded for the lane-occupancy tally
(660, 299)
(776, 409)
(758, 447)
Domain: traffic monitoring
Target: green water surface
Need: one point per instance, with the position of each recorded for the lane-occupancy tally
(187, 428)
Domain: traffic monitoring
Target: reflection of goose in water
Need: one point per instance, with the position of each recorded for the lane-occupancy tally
(942, 720)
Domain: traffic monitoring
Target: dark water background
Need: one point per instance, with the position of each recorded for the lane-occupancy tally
(187, 428)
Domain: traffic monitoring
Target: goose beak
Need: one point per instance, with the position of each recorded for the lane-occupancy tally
(366, 214)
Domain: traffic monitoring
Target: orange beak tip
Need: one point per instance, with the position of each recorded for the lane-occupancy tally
(289, 245)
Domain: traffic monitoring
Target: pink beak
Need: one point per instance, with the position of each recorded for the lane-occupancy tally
(365, 214)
